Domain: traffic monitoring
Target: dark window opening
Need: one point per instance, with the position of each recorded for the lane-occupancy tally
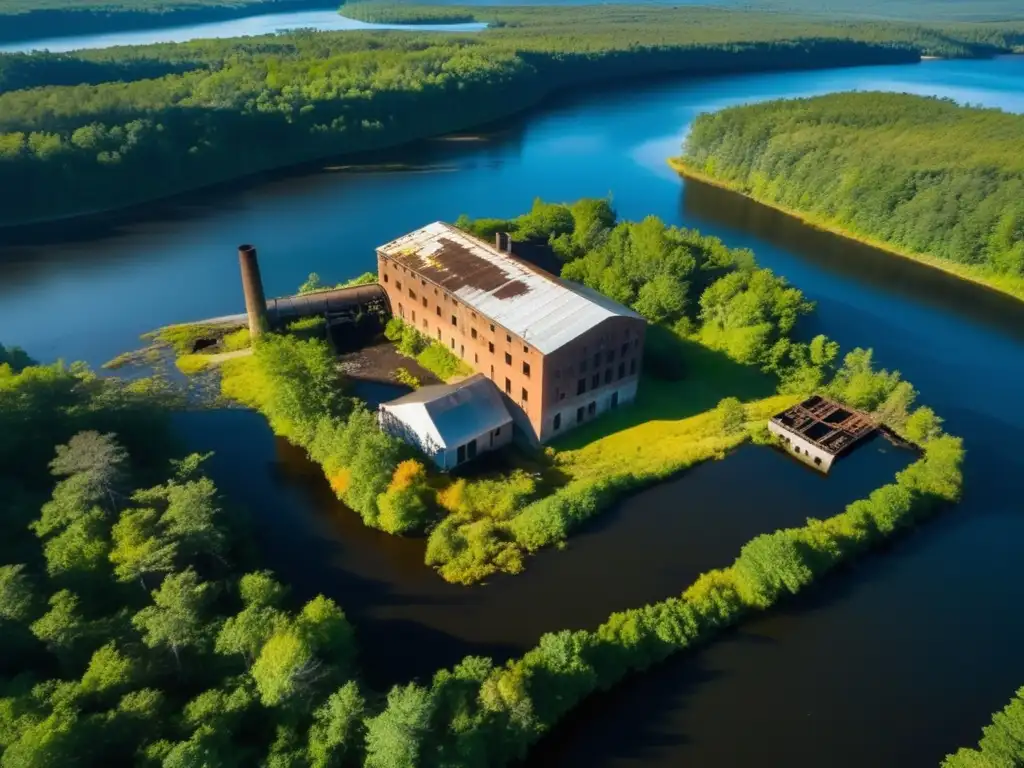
(472, 333)
(508, 386)
(561, 395)
(595, 381)
(625, 349)
(615, 399)
(492, 328)
(591, 408)
(526, 369)
(490, 347)
(453, 342)
(579, 415)
(412, 294)
(581, 386)
(608, 376)
(558, 421)
(476, 358)
(526, 350)
(398, 284)
(424, 301)
(817, 460)
(526, 395)
(497, 431)
(414, 315)
(401, 311)
(508, 359)
(385, 277)
(438, 311)
(460, 454)
(462, 350)
(622, 370)
(455, 320)
(508, 338)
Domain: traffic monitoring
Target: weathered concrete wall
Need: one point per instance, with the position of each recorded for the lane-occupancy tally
(802, 448)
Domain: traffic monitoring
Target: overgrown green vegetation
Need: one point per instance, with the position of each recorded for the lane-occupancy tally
(101, 129)
(430, 354)
(314, 284)
(482, 714)
(941, 183)
(296, 385)
(131, 632)
(910, 10)
(1002, 742)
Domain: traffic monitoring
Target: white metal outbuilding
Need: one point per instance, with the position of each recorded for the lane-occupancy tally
(450, 423)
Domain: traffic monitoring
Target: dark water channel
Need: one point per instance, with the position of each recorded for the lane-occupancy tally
(411, 622)
(891, 664)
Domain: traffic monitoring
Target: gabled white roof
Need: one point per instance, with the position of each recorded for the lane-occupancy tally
(544, 310)
(449, 415)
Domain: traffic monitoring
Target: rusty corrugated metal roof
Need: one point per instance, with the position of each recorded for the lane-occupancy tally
(544, 310)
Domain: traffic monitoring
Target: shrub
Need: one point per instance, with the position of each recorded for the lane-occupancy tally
(190, 365)
(402, 376)
(731, 415)
(236, 340)
(403, 507)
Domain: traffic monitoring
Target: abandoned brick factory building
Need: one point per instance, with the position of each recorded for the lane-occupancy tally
(561, 353)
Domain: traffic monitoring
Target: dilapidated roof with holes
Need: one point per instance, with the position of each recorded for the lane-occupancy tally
(831, 426)
(545, 311)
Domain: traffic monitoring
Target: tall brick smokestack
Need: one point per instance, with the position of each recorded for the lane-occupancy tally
(252, 285)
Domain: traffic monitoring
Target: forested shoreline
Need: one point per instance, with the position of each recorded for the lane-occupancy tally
(921, 177)
(38, 20)
(1002, 741)
(153, 121)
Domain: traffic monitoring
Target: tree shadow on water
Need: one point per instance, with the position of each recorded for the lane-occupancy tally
(639, 718)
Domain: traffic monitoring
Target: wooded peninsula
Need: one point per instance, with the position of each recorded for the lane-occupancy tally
(99, 130)
(921, 177)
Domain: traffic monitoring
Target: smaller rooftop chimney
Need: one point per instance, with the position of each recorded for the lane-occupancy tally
(252, 286)
(503, 241)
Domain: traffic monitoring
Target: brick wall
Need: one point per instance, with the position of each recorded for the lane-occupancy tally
(537, 386)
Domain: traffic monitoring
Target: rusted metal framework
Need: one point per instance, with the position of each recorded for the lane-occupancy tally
(826, 424)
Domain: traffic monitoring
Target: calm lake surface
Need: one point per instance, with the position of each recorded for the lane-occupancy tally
(262, 24)
(894, 663)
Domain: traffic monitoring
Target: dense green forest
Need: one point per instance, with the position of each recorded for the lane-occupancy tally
(135, 625)
(181, 116)
(1001, 744)
(921, 176)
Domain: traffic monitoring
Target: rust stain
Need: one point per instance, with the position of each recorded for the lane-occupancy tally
(454, 266)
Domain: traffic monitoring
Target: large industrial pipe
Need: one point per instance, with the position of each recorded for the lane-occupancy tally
(252, 285)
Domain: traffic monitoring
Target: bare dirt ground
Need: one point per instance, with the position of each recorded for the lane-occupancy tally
(379, 361)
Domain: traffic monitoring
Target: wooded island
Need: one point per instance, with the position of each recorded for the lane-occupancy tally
(921, 177)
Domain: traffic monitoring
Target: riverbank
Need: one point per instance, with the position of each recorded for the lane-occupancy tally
(168, 150)
(34, 22)
(1002, 284)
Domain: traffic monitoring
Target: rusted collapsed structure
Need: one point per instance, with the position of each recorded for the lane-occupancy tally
(819, 430)
(360, 305)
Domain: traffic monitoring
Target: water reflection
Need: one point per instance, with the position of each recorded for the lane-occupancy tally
(851, 260)
(411, 623)
(260, 24)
